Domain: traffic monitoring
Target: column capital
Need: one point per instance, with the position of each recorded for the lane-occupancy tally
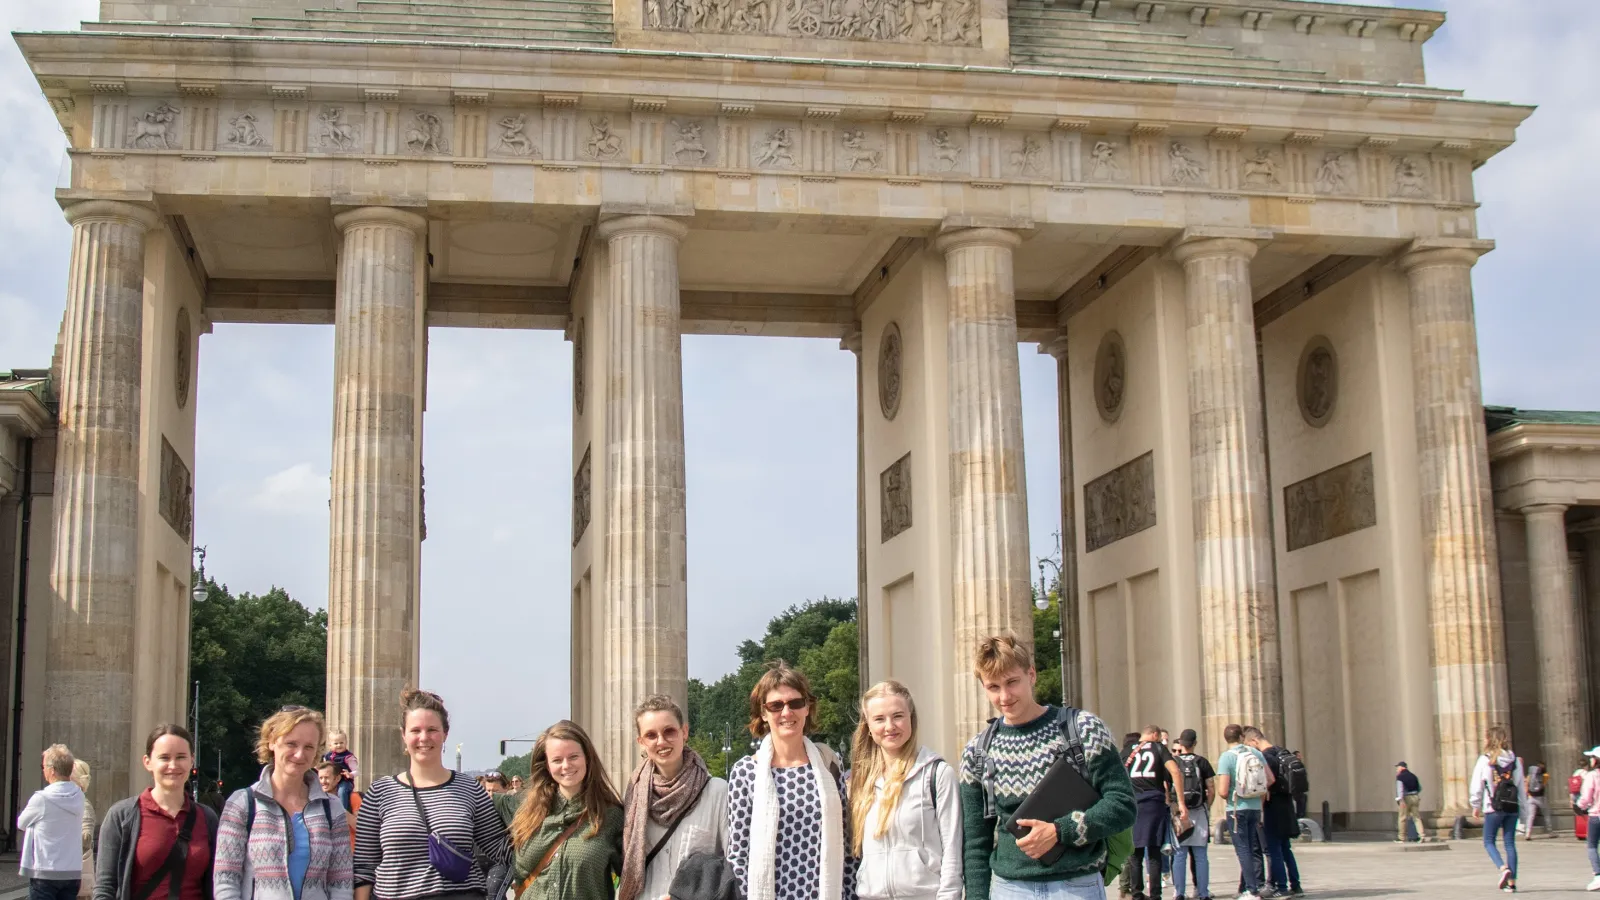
(1194, 243)
(1056, 346)
(965, 237)
(379, 215)
(115, 210)
(611, 229)
(1425, 252)
(1543, 509)
(852, 340)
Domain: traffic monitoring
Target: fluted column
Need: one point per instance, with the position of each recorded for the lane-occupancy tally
(372, 559)
(1469, 671)
(989, 580)
(1242, 675)
(1069, 613)
(646, 574)
(88, 681)
(852, 342)
(1556, 637)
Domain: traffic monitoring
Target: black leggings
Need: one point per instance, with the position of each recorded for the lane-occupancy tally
(1142, 864)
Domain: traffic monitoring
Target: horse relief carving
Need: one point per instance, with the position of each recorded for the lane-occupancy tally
(513, 139)
(425, 134)
(946, 152)
(603, 143)
(688, 146)
(777, 150)
(910, 21)
(335, 133)
(857, 155)
(155, 130)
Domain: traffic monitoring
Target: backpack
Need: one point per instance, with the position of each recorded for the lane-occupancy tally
(1504, 796)
(1251, 783)
(1066, 720)
(1193, 788)
(1575, 784)
(1292, 773)
(1536, 781)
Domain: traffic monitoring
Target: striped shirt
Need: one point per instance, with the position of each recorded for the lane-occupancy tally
(392, 843)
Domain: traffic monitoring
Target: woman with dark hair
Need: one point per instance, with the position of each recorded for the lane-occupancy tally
(788, 837)
(419, 831)
(568, 830)
(161, 837)
(284, 838)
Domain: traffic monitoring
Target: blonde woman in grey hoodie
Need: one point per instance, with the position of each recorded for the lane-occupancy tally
(904, 807)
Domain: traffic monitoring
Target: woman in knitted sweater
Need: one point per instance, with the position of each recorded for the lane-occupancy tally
(284, 838)
(568, 830)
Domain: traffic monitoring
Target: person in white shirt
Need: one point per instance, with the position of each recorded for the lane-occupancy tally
(1498, 793)
(52, 824)
(672, 809)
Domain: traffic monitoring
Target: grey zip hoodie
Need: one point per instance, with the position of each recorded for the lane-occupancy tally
(52, 845)
(919, 857)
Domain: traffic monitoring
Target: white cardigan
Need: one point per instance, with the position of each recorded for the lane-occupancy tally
(704, 829)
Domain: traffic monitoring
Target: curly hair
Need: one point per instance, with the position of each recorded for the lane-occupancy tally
(278, 725)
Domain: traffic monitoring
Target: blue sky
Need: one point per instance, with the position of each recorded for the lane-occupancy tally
(770, 423)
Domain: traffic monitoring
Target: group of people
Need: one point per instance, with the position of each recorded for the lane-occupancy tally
(1504, 792)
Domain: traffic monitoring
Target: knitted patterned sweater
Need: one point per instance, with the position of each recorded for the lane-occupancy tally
(1022, 754)
(254, 864)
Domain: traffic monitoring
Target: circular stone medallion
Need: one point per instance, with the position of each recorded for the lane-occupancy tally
(577, 367)
(1317, 382)
(1110, 376)
(182, 358)
(889, 353)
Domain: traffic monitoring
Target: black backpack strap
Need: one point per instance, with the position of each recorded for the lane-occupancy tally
(250, 816)
(172, 870)
(986, 769)
(1067, 721)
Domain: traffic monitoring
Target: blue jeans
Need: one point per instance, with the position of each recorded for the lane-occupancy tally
(1594, 845)
(345, 789)
(1283, 872)
(1084, 887)
(1501, 822)
(52, 889)
(1247, 840)
(1202, 870)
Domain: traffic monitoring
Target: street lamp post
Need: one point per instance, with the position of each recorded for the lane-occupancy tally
(1044, 603)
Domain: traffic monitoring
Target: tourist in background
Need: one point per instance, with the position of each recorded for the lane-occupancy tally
(1498, 793)
(328, 777)
(160, 837)
(1243, 779)
(905, 813)
(427, 805)
(1589, 805)
(1194, 849)
(52, 831)
(80, 777)
(1279, 825)
(788, 837)
(673, 808)
(568, 830)
(284, 837)
(1538, 779)
(1408, 800)
(349, 766)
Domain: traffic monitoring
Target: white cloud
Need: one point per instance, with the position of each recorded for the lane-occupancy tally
(301, 489)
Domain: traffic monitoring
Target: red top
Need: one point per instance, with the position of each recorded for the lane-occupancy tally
(157, 832)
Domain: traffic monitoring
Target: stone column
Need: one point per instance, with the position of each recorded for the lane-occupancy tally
(1228, 470)
(373, 552)
(1071, 663)
(646, 573)
(852, 342)
(1556, 635)
(94, 567)
(1458, 541)
(990, 583)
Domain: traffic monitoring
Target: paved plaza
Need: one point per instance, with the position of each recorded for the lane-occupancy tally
(1369, 866)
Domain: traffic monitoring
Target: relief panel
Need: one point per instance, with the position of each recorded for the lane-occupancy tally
(1120, 503)
(176, 499)
(953, 22)
(1330, 504)
(895, 498)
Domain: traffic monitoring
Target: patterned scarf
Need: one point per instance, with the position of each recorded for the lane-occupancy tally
(652, 798)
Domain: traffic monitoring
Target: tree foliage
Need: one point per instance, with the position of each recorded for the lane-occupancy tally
(1047, 646)
(252, 655)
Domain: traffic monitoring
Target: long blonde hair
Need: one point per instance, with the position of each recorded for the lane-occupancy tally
(1495, 742)
(870, 762)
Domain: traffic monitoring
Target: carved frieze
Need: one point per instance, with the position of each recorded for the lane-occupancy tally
(906, 21)
(895, 499)
(1262, 169)
(1185, 164)
(246, 128)
(581, 499)
(1120, 503)
(860, 152)
(890, 354)
(603, 143)
(427, 132)
(1330, 504)
(182, 357)
(1107, 159)
(1336, 174)
(689, 147)
(946, 148)
(578, 353)
(176, 499)
(1410, 178)
(155, 128)
(1110, 376)
(1317, 382)
(774, 148)
(512, 133)
(336, 131)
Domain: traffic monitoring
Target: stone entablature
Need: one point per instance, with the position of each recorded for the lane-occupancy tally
(1545, 463)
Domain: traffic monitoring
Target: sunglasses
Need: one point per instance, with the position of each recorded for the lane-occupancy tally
(795, 705)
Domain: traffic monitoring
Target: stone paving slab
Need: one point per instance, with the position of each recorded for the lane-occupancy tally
(1461, 869)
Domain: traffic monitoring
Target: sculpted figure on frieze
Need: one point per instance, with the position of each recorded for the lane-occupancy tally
(513, 138)
(1261, 170)
(946, 152)
(1185, 169)
(857, 155)
(1025, 159)
(425, 134)
(777, 151)
(1104, 162)
(242, 131)
(913, 21)
(1333, 175)
(603, 143)
(688, 143)
(155, 130)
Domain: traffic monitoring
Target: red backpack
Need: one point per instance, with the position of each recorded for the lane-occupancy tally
(1575, 784)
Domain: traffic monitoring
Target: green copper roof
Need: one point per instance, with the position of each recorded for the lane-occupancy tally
(1499, 418)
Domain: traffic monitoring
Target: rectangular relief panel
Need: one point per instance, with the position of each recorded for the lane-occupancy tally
(1330, 504)
(895, 505)
(581, 499)
(177, 491)
(1120, 503)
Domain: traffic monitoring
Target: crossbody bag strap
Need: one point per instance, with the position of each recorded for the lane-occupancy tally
(551, 853)
(417, 797)
(651, 856)
(173, 869)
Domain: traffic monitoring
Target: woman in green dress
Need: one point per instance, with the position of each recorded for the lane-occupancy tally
(568, 830)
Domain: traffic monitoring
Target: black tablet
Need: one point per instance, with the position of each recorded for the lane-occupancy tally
(1062, 790)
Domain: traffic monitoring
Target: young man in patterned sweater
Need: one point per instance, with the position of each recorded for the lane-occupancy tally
(1026, 741)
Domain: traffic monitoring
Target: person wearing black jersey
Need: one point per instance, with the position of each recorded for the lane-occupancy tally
(1197, 774)
(1153, 773)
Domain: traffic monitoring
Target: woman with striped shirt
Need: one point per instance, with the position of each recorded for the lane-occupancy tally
(400, 812)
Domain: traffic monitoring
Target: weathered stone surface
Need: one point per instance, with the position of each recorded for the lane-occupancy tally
(895, 498)
(176, 497)
(1120, 503)
(1330, 504)
(1558, 637)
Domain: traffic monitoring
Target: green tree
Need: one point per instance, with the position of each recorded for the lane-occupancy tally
(1047, 647)
(253, 655)
(516, 765)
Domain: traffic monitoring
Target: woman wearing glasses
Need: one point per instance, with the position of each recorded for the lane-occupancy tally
(420, 830)
(161, 839)
(788, 837)
(284, 838)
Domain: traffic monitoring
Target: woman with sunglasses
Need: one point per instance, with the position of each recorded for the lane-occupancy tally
(284, 838)
(419, 831)
(568, 830)
(161, 837)
(673, 807)
(788, 837)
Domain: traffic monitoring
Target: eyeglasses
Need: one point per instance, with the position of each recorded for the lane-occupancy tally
(795, 705)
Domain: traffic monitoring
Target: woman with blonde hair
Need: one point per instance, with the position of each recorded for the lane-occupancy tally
(788, 838)
(284, 837)
(80, 777)
(568, 830)
(1498, 794)
(905, 813)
